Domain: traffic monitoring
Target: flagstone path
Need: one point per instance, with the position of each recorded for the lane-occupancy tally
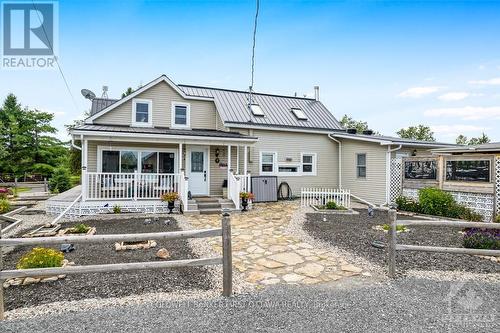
(266, 254)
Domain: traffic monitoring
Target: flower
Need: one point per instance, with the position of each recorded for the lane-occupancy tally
(247, 195)
(169, 196)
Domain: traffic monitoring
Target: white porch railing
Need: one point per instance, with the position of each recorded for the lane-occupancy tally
(234, 189)
(320, 196)
(183, 190)
(132, 186)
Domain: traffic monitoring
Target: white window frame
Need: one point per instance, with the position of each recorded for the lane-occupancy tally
(289, 174)
(188, 115)
(275, 164)
(365, 166)
(150, 112)
(314, 164)
(139, 151)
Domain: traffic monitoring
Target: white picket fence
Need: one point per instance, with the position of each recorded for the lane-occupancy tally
(320, 196)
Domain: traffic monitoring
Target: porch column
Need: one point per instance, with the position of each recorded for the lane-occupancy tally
(84, 160)
(180, 157)
(228, 170)
(237, 160)
(245, 160)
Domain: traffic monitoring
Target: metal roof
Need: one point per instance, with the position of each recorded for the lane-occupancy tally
(232, 106)
(164, 130)
(387, 140)
(482, 148)
(99, 104)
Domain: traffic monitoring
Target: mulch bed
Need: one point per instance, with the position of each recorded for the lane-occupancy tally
(354, 233)
(117, 284)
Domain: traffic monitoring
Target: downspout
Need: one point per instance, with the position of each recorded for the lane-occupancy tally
(340, 159)
(73, 143)
(388, 172)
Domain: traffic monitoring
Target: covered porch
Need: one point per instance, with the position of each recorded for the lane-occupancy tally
(140, 167)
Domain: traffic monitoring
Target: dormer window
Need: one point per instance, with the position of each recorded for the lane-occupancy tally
(181, 115)
(256, 110)
(299, 114)
(142, 112)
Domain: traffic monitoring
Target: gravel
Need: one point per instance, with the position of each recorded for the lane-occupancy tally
(406, 305)
(354, 233)
(120, 284)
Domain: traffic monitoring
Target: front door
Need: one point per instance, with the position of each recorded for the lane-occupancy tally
(198, 170)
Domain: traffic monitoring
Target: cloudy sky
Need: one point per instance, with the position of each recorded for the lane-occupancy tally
(392, 64)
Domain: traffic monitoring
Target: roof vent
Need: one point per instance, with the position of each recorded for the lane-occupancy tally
(352, 131)
(299, 114)
(368, 132)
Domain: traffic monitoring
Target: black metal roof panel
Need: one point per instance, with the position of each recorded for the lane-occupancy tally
(99, 104)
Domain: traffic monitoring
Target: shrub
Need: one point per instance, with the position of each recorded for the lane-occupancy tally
(407, 204)
(399, 227)
(43, 169)
(4, 206)
(60, 181)
(434, 201)
(79, 229)
(334, 205)
(4, 192)
(117, 209)
(169, 196)
(476, 238)
(247, 195)
(75, 180)
(41, 257)
(497, 219)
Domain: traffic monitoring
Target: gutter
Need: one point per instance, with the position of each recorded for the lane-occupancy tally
(388, 172)
(340, 159)
(73, 143)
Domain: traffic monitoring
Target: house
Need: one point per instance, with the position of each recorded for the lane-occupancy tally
(208, 142)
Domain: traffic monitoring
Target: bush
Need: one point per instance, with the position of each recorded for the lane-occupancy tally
(60, 181)
(497, 219)
(79, 229)
(43, 169)
(434, 201)
(4, 192)
(75, 180)
(169, 196)
(4, 206)
(117, 209)
(476, 238)
(334, 205)
(407, 204)
(41, 257)
(400, 228)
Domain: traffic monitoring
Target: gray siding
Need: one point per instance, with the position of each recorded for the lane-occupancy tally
(203, 113)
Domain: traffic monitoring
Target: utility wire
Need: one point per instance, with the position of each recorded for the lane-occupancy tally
(253, 49)
(55, 58)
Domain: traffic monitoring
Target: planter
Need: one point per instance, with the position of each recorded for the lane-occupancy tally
(244, 204)
(171, 206)
(23, 281)
(67, 232)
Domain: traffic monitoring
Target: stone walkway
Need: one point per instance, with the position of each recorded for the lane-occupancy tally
(266, 254)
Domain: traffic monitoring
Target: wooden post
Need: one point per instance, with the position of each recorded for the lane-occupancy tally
(2, 316)
(392, 243)
(45, 185)
(227, 259)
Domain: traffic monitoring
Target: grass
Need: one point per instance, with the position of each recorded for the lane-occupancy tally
(400, 228)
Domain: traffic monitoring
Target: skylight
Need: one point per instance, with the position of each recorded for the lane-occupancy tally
(256, 110)
(299, 114)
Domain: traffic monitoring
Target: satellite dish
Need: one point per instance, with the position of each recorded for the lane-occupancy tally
(88, 94)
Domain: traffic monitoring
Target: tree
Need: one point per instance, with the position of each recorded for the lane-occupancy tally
(349, 122)
(420, 132)
(463, 140)
(127, 92)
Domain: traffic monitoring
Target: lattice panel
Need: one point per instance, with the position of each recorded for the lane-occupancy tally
(497, 184)
(481, 203)
(95, 208)
(396, 179)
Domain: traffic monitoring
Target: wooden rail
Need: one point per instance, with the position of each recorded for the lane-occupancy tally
(393, 246)
(225, 260)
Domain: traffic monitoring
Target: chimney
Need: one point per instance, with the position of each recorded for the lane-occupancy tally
(316, 93)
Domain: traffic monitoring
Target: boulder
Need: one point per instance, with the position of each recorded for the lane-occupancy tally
(163, 253)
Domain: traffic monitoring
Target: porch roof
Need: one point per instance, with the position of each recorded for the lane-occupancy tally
(108, 130)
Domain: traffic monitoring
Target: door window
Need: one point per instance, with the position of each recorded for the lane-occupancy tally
(197, 161)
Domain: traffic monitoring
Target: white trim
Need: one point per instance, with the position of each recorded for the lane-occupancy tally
(100, 149)
(276, 128)
(365, 166)
(389, 142)
(206, 161)
(275, 163)
(289, 174)
(162, 78)
(188, 115)
(314, 164)
(110, 135)
(149, 102)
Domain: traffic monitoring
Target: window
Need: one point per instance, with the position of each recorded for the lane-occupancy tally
(288, 169)
(468, 170)
(166, 162)
(420, 169)
(256, 110)
(197, 163)
(361, 165)
(149, 162)
(267, 161)
(299, 114)
(308, 164)
(141, 112)
(126, 160)
(181, 115)
(110, 161)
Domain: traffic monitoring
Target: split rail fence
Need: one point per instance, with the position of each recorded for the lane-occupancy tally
(393, 246)
(225, 260)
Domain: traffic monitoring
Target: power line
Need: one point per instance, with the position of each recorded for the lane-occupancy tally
(55, 58)
(253, 49)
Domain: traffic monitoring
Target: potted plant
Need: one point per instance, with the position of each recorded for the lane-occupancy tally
(245, 196)
(170, 197)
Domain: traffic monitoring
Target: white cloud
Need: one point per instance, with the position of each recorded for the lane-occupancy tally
(481, 67)
(417, 92)
(455, 130)
(454, 96)
(466, 112)
(491, 82)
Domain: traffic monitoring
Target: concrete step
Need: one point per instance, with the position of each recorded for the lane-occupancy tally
(211, 211)
(207, 205)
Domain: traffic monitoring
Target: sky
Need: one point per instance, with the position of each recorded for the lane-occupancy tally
(392, 64)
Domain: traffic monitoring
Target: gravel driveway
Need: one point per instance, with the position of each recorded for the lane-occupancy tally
(354, 234)
(405, 305)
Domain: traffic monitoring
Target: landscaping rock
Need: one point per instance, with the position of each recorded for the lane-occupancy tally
(163, 253)
(269, 263)
(287, 258)
(311, 270)
(351, 268)
(292, 277)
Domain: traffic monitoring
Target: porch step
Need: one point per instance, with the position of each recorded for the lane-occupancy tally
(212, 205)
